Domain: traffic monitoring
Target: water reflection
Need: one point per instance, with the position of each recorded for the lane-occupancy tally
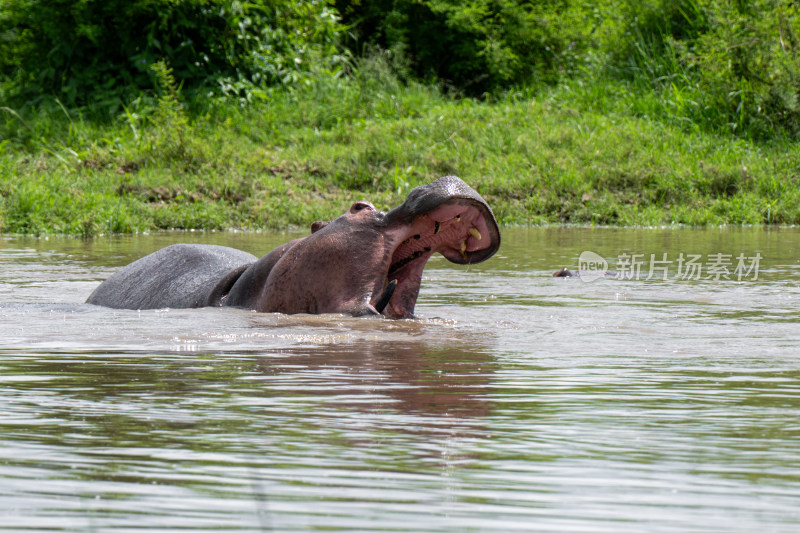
(167, 432)
(127, 399)
(412, 377)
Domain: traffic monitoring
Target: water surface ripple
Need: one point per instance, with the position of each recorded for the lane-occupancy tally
(516, 402)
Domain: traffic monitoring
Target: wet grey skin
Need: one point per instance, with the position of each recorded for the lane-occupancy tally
(365, 262)
(567, 273)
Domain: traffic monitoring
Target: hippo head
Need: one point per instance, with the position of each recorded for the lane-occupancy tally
(370, 262)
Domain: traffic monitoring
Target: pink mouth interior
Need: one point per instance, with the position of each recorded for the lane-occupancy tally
(446, 230)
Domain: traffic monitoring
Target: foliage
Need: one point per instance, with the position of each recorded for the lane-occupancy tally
(305, 155)
(172, 140)
(101, 51)
(724, 66)
(475, 46)
(728, 67)
(611, 112)
(720, 65)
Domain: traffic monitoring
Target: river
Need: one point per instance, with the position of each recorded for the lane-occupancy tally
(664, 401)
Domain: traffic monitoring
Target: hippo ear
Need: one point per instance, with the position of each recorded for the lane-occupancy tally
(318, 225)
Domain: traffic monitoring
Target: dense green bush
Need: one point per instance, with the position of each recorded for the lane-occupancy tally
(475, 46)
(721, 65)
(85, 51)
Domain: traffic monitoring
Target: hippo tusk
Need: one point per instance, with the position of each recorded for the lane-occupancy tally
(475, 233)
(383, 301)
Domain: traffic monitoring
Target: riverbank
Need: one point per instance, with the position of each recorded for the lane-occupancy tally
(573, 154)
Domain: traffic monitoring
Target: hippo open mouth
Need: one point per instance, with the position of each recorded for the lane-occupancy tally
(458, 229)
(364, 262)
(447, 217)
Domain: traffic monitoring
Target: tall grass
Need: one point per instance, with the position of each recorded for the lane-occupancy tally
(584, 152)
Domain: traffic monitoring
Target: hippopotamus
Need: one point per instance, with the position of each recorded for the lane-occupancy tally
(566, 273)
(365, 262)
(592, 274)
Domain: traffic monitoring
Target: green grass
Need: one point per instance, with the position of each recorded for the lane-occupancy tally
(581, 154)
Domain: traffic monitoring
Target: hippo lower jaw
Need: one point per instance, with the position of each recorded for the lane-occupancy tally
(458, 229)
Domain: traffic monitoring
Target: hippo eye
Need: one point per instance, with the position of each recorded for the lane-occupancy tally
(360, 206)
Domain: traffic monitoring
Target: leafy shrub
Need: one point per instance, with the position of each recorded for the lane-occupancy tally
(475, 46)
(172, 139)
(714, 64)
(750, 66)
(725, 66)
(91, 51)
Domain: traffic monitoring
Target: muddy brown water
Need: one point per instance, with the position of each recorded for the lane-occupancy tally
(515, 402)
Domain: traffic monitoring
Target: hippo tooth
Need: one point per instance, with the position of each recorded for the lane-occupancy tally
(475, 233)
(463, 246)
(386, 295)
(436, 228)
(458, 218)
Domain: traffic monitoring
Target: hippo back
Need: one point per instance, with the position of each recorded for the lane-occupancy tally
(178, 276)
